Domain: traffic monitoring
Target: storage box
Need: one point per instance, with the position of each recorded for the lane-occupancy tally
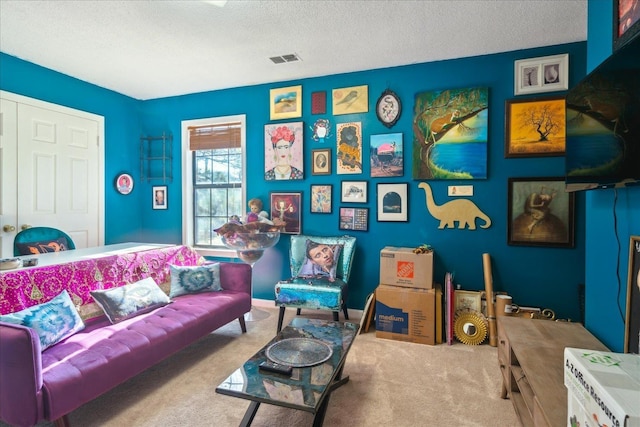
(603, 388)
(405, 314)
(401, 267)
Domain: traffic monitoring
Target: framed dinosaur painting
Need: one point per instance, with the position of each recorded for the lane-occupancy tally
(540, 213)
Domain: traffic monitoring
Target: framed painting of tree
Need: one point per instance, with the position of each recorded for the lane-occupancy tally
(450, 134)
(535, 127)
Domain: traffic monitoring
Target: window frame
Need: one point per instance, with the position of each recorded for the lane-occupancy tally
(187, 181)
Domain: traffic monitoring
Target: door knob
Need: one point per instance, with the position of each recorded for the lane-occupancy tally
(25, 226)
(8, 228)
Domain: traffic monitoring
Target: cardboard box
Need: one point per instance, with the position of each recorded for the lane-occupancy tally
(405, 314)
(401, 267)
(603, 388)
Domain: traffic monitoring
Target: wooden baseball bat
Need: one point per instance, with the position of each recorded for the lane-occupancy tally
(488, 286)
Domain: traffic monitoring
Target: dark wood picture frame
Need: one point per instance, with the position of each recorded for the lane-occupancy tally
(623, 32)
(321, 198)
(286, 207)
(321, 161)
(353, 192)
(354, 219)
(632, 319)
(540, 213)
(523, 137)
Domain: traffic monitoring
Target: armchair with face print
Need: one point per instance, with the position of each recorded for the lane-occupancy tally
(320, 269)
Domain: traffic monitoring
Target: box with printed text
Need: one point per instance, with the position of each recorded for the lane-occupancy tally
(403, 267)
(406, 314)
(603, 388)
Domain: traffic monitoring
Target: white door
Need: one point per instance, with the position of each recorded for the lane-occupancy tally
(8, 176)
(60, 182)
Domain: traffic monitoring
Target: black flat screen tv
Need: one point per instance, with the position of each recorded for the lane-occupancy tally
(603, 124)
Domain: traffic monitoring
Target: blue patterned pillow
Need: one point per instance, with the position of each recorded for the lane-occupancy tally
(194, 279)
(53, 321)
(130, 300)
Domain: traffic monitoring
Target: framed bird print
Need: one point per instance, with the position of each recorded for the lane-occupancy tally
(350, 100)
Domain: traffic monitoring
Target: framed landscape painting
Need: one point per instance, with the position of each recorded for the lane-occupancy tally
(285, 103)
(535, 127)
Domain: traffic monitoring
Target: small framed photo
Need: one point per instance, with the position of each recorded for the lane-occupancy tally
(468, 300)
(286, 210)
(540, 213)
(392, 202)
(321, 161)
(285, 103)
(124, 183)
(160, 200)
(543, 74)
(321, 198)
(356, 219)
(535, 127)
(353, 192)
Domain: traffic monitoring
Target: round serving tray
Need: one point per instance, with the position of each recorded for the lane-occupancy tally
(299, 352)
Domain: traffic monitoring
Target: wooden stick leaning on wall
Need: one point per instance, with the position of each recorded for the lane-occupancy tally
(488, 286)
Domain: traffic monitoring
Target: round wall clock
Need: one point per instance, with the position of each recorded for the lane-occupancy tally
(388, 108)
(124, 183)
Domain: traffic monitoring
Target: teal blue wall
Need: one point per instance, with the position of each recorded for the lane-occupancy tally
(612, 216)
(544, 277)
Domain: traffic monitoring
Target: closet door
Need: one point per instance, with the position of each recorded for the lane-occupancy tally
(8, 176)
(59, 180)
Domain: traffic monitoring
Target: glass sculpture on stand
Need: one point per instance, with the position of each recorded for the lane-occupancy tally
(250, 247)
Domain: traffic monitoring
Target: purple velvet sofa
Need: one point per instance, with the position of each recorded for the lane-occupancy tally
(40, 385)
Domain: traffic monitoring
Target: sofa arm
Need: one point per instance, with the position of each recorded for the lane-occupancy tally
(20, 375)
(235, 276)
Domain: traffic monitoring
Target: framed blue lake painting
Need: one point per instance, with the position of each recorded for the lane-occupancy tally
(450, 134)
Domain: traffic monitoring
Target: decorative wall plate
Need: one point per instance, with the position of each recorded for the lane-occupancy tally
(388, 108)
(124, 183)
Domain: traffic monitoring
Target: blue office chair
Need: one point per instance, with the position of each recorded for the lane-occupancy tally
(40, 240)
(316, 293)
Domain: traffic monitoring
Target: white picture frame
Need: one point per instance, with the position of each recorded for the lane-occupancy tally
(542, 74)
(353, 192)
(392, 202)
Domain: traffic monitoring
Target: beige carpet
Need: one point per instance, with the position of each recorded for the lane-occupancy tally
(391, 383)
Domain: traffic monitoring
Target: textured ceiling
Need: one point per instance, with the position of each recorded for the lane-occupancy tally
(153, 49)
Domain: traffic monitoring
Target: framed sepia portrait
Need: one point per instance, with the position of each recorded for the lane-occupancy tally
(535, 127)
(160, 200)
(321, 161)
(540, 213)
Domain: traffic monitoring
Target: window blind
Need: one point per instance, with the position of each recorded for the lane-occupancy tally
(211, 137)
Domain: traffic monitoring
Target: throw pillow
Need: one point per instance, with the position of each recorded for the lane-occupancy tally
(321, 260)
(194, 279)
(130, 300)
(53, 321)
(57, 245)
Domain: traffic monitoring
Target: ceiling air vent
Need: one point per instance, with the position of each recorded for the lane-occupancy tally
(292, 57)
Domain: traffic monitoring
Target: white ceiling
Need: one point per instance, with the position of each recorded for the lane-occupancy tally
(151, 49)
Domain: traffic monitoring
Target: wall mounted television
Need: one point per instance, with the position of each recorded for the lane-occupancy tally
(603, 124)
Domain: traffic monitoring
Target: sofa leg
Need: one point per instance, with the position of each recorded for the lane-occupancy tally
(298, 311)
(346, 313)
(280, 318)
(335, 316)
(243, 324)
(63, 421)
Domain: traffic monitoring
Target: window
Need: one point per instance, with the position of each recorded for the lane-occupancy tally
(213, 160)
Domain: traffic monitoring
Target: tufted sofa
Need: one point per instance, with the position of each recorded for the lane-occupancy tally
(40, 385)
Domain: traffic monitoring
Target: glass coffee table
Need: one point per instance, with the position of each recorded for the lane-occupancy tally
(318, 349)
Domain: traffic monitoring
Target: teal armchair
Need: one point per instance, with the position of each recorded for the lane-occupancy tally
(315, 291)
(35, 240)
